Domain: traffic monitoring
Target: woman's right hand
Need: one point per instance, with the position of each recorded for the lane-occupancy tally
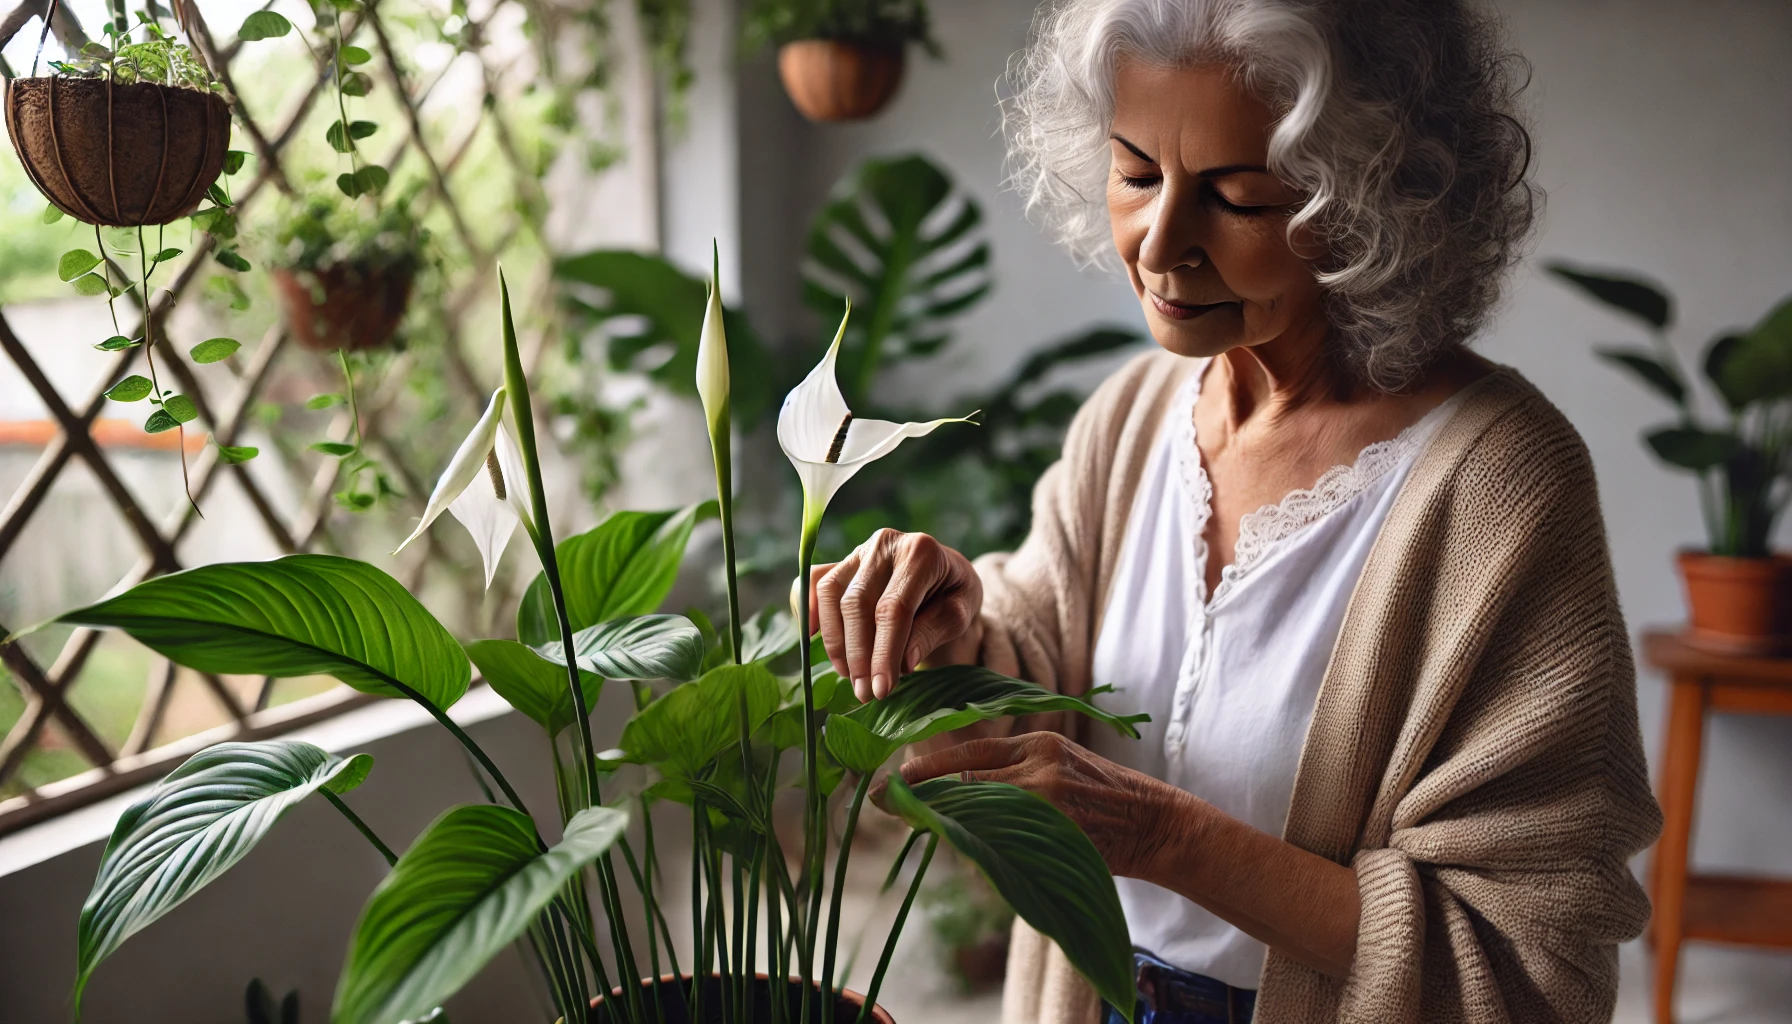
(885, 608)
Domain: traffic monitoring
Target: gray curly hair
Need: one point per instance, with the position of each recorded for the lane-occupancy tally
(1398, 120)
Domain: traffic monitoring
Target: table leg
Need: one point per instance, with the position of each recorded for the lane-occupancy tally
(1679, 786)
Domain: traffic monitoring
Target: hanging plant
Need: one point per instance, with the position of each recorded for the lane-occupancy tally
(345, 278)
(840, 60)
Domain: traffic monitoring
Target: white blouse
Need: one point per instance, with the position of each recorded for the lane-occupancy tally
(1230, 681)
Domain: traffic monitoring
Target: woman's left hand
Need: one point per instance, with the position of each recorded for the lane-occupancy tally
(1129, 815)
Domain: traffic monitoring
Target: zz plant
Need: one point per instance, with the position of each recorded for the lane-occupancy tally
(715, 716)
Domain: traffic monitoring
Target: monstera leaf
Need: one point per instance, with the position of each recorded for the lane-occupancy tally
(192, 827)
(625, 565)
(531, 683)
(653, 315)
(295, 616)
(684, 730)
(939, 700)
(466, 889)
(1040, 862)
(905, 247)
(636, 647)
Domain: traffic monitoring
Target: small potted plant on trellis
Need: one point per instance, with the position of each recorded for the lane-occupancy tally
(344, 276)
(840, 60)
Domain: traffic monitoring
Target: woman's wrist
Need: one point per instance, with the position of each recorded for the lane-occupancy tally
(1179, 823)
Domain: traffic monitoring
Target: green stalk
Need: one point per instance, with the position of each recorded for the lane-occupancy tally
(699, 933)
(558, 991)
(814, 842)
(653, 865)
(361, 826)
(643, 875)
(830, 946)
(908, 901)
(774, 927)
(751, 955)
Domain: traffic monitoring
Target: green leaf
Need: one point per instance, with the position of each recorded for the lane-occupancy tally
(465, 890)
(635, 647)
(324, 401)
(90, 284)
(1651, 371)
(215, 192)
(181, 408)
(1620, 291)
(357, 83)
(232, 455)
(784, 730)
(234, 160)
(214, 350)
(165, 255)
(192, 827)
(263, 25)
(663, 307)
(118, 342)
(1693, 449)
(361, 129)
(625, 565)
(371, 178)
(295, 616)
(1736, 389)
(52, 214)
(74, 263)
(215, 221)
(531, 683)
(684, 730)
(346, 184)
(134, 388)
(352, 55)
(933, 701)
(907, 247)
(159, 422)
(768, 635)
(232, 259)
(336, 449)
(1041, 863)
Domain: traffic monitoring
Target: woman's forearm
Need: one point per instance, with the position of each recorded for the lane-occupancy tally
(1295, 901)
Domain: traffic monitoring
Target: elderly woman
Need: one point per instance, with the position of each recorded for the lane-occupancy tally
(1356, 574)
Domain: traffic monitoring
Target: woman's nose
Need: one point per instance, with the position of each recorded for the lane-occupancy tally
(1175, 238)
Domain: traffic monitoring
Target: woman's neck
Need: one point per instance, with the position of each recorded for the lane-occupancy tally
(1264, 383)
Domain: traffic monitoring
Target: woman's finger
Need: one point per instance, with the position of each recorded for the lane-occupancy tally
(860, 603)
(919, 566)
(990, 754)
(945, 615)
(828, 588)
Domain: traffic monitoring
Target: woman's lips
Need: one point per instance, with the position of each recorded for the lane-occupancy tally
(1181, 310)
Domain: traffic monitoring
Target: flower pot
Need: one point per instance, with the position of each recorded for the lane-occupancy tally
(1738, 605)
(122, 155)
(982, 965)
(846, 1008)
(840, 80)
(348, 305)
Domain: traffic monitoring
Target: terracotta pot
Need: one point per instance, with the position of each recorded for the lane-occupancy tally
(1738, 605)
(345, 306)
(846, 1008)
(983, 965)
(840, 80)
(119, 155)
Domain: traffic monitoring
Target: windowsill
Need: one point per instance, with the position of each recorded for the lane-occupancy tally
(93, 823)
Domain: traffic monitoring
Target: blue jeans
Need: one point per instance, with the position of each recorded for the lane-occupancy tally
(1168, 995)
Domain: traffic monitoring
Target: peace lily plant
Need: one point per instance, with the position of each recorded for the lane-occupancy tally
(715, 711)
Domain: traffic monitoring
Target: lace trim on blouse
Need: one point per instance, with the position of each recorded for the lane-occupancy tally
(1260, 532)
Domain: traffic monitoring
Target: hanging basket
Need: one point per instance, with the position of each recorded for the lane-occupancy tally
(348, 305)
(839, 79)
(118, 154)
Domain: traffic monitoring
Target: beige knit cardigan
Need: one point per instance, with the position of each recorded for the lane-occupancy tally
(1474, 752)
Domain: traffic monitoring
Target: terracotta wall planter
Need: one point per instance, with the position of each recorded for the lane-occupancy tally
(846, 1010)
(1739, 605)
(119, 155)
(344, 306)
(840, 80)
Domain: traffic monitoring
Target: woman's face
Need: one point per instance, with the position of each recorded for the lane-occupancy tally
(1198, 219)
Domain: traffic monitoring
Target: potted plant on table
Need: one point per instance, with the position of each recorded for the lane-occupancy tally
(1739, 591)
(840, 60)
(713, 724)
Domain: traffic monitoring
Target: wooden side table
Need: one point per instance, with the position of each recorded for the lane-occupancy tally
(1716, 908)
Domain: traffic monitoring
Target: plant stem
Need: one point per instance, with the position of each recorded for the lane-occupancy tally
(813, 841)
(466, 741)
(149, 353)
(833, 938)
(908, 901)
(354, 413)
(699, 934)
(355, 820)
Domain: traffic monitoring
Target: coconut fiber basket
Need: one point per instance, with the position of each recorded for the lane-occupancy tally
(121, 155)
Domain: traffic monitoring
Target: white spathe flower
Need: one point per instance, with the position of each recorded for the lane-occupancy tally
(826, 443)
(712, 357)
(484, 486)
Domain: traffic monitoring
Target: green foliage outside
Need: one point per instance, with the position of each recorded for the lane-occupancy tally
(776, 22)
